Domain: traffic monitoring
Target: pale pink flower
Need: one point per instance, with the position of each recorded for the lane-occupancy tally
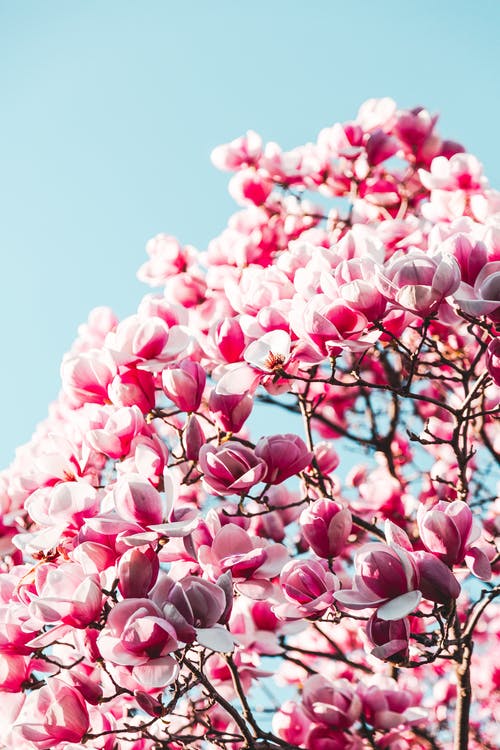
(86, 377)
(116, 435)
(242, 152)
(417, 282)
(65, 594)
(269, 353)
(55, 713)
(166, 258)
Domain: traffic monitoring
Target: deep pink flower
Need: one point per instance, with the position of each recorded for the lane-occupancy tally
(390, 638)
(334, 704)
(284, 456)
(231, 468)
(133, 388)
(449, 531)
(326, 526)
(231, 410)
(137, 635)
(184, 384)
(309, 587)
(386, 578)
(437, 582)
(137, 571)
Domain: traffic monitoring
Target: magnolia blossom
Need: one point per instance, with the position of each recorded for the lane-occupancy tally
(309, 586)
(418, 282)
(269, 353)
(231, 468)
(449, 531)
(334, 704)
(55, 713)
(387, 579)
(138, 636)
(326, 526)
(284, 456)
(484, 297)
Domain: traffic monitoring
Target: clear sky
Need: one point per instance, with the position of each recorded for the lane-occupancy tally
(110, 109)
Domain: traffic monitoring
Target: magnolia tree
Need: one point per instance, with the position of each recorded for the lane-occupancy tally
(170, 579)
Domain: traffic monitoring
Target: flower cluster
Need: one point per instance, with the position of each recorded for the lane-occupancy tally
(156, 558)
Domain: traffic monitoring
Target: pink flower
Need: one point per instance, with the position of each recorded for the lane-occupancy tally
(86, 377)
(133, 388)
(250, 186)
(329, 326)
(231, 468)
(386, 578)
(326, 526)
(309, 585)
(449, 531)
(137, 635)
(231, 410)
(228, 339)
(334, 704)
(198, 609)
(484, 297)
(166, 258)
(137, 501)
(290, 723)
(65, 594)
(184, 385)
(386, 705)
(417, 282)
(116, 435)
(251, 561)
(437, 582)
(137, 571)
(242, 152)
(390, 638)
(284, 456)
(14, 670)
(56, 713)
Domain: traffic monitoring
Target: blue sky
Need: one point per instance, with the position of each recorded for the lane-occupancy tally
(110, 111)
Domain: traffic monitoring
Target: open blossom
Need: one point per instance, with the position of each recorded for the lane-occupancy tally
(251, 561)
(386, 705)
(449, 531)
(231, 468)
(387, 579)
(418, 282)
(66, 594)
(137, 635)
(270, 352)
